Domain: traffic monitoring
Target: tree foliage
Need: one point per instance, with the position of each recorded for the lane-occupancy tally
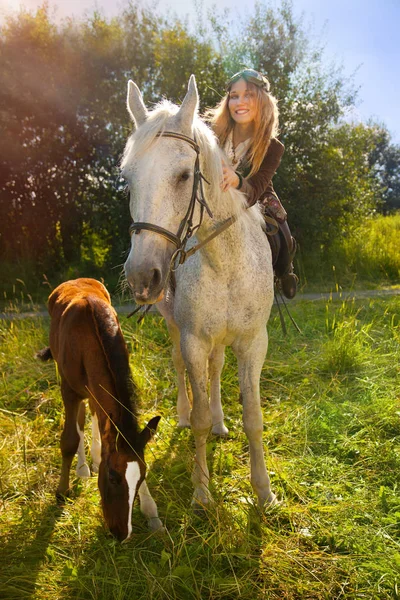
(63, 124)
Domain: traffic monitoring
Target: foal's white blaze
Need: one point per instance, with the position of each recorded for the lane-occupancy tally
(132, 476)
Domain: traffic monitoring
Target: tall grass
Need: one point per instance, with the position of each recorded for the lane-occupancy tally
(372, 251)
(368, 257)
(331, 406)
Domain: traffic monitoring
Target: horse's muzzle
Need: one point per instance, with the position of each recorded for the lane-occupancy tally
(146, 286)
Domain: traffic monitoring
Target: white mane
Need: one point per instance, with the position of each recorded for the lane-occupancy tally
(228, 203)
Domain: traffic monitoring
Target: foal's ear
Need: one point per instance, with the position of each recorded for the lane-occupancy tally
(148, 432)
(190, 104)
(135, 104)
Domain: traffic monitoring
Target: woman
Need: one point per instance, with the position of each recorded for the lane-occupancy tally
(246, 124)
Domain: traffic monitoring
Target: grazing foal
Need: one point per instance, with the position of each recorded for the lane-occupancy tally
(87, 343)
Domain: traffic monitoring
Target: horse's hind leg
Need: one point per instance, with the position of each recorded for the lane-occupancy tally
(250, 360)
(70, 437)
(215, 364)
(82, 468)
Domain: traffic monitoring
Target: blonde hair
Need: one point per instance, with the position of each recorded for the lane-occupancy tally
(266, 123)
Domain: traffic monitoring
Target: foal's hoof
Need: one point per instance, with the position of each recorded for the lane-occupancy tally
(184, 424)
(95, 468)
(220, 430)
(155, 524)
(61, 497)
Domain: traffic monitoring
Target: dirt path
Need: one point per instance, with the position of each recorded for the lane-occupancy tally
(40, 311)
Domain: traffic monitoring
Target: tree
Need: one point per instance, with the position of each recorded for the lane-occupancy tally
(384, 161)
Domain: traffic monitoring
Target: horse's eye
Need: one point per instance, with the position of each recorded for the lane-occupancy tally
(184, 176)
(114, 477)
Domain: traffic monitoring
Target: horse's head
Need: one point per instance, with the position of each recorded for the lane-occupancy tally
(121, 472)
(160, 173)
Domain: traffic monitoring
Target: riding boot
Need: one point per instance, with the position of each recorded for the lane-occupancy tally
(284, 266)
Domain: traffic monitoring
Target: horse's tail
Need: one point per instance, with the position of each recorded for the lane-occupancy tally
(44, 354)
(116, 355)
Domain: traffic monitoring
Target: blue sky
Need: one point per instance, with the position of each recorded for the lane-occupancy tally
(361, 35)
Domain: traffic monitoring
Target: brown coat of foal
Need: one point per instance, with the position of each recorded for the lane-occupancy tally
(87, 343)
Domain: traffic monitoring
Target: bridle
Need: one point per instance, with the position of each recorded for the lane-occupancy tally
(186, 228)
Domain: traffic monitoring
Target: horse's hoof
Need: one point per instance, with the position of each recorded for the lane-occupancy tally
(220, 430)
(200, 507)
(271, 502)
(183, 424)
(199, 510)
(83, 472)
(95, 468)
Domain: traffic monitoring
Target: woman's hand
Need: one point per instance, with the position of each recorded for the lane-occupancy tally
(230, 179)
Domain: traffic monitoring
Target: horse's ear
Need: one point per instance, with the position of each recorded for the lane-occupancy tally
(190, 104)
(148, 432)
(135, 104)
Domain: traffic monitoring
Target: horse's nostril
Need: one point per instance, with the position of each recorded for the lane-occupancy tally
(156, 278)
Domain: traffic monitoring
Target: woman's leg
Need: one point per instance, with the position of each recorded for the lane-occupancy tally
(283, 265)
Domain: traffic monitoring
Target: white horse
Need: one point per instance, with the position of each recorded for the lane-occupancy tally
(223, 292)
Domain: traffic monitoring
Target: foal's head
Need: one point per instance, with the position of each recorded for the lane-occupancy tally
(121, 473)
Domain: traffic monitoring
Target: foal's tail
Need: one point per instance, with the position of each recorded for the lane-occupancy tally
(44, 354)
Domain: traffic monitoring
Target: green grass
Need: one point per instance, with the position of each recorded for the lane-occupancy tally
(331, 402)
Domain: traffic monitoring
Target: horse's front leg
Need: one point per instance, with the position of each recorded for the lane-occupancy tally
(183, 406)
(251, 357)
(195, 356)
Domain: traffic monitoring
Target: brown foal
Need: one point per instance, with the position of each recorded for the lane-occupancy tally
(87, 343)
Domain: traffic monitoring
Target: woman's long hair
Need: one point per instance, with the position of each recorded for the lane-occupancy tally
(266, 123)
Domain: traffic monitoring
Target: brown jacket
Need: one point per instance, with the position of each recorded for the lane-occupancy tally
(260, 184)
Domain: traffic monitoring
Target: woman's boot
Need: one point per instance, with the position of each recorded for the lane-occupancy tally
(283, 265)
(287, 279)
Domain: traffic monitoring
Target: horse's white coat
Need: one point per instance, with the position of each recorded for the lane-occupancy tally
(132, 476)
(224, 292)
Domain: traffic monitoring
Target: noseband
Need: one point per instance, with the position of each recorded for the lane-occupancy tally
(186, 228)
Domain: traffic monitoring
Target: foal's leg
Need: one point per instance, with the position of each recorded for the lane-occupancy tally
(82, 468)
(250, 359)
(95, 449)
(215, 364)
(149, 507)
(70, 437)
(195, 357)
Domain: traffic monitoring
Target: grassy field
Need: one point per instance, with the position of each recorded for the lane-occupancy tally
(331, 402)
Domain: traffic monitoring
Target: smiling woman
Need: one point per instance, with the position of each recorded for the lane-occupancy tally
(246, 123)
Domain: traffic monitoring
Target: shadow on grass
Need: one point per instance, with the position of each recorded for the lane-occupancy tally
(25, 550)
